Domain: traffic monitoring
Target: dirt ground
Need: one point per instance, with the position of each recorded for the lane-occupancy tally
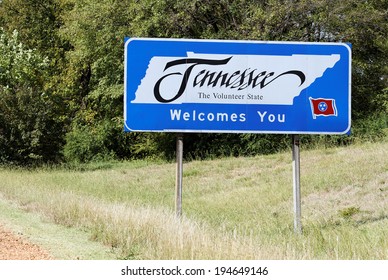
(17, 247)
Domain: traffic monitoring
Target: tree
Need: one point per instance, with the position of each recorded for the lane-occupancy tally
(96, 31)
(37, 23)
(82, 80)
(28, 121)
(362, 23)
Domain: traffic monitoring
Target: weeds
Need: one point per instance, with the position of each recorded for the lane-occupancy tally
(234, 208)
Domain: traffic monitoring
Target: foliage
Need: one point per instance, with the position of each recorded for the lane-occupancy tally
(82, 41)
(87, 143)
(37, 23)
(28, 125)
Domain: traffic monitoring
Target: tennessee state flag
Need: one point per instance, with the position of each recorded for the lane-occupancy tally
(323, 107)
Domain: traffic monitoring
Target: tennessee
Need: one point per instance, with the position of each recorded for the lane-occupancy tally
(179, 115)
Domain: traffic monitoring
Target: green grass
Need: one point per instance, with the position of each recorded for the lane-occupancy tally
(234, 208)
(62, 242)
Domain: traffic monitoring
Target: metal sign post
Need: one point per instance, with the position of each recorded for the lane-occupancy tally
(296, 183)
(179, 175)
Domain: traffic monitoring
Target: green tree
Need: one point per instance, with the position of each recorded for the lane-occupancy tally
(82, 80)
(28, 121)
(362, 23)
(37, 24)
(96, 31)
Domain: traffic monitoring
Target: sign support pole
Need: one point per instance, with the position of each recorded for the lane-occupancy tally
(179, 175)
(296, 183)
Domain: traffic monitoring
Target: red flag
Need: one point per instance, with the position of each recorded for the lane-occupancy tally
(323, 107)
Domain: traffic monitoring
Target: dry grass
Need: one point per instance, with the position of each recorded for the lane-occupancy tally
(234, 208)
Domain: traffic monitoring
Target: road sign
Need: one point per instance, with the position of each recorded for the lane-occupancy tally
(179, 85)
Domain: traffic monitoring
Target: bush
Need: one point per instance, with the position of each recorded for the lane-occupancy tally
(31, 130)
(85, 144)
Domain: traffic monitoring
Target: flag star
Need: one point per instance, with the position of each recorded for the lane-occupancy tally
(322, 106)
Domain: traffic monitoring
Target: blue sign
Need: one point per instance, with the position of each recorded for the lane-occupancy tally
(179, 85)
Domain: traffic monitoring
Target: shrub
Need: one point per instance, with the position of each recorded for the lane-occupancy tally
(84, 144)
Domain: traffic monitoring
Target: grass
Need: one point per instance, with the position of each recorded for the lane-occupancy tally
(62, 242)
(234, 208)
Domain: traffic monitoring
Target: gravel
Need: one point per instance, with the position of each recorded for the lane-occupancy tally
(16, 247)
